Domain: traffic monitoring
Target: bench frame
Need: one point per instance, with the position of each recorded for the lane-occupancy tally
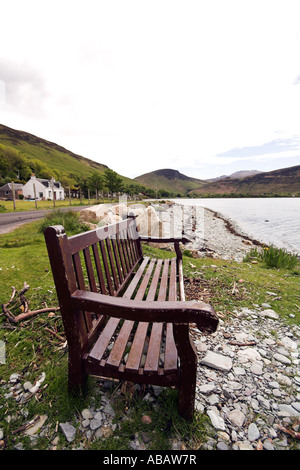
(117, 251)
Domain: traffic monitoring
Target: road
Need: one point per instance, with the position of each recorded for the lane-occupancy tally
(11, 220)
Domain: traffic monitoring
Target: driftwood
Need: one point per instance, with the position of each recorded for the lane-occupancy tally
(24, 304)
(242, 343)
(294, 434)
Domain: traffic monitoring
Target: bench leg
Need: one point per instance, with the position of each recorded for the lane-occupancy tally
(77, 378)
(188, 370)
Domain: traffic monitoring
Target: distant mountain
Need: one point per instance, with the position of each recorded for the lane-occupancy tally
(169, 180)
(283, 181)
(237, 174)
(245, 182)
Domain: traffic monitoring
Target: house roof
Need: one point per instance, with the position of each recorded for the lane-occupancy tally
(46, 182)
(9, 186)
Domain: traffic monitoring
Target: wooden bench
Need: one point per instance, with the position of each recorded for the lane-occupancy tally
(125, 315)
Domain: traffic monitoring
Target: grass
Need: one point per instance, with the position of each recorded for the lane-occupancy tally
(31, 348)
(22, 205)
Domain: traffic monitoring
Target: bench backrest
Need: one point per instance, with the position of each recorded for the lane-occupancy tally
(100, 260)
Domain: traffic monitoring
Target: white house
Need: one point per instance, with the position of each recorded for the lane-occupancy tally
(44, 189)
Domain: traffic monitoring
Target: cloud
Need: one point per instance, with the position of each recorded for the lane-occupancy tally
(25, 87)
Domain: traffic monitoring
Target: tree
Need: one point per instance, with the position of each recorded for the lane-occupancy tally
(95, 181)
(113, 181)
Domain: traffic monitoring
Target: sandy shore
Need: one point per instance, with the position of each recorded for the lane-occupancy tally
(209, 232)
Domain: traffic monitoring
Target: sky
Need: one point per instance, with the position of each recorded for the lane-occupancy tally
(204, 87)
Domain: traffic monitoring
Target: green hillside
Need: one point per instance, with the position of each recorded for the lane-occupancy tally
(22, 153)
(169, 180)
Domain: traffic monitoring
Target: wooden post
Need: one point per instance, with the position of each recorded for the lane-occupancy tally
(89, 196)
(34, 193)
(14, 196)
(70, 195)
(53, 193)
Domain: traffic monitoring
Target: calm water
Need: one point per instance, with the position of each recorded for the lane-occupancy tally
(271, 220)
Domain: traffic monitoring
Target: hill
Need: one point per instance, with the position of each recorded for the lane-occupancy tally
(237, 174)
(46, 158)
(282, 182)
(169, 180)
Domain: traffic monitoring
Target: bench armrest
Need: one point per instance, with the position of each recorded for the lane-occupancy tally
(179, 312)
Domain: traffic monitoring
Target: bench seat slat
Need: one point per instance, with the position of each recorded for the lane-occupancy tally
(104, 339)
(171, 355)
(117, 352)
(137, 348)
(132, 286)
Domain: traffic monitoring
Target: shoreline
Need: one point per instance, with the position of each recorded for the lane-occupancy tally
(210, 233)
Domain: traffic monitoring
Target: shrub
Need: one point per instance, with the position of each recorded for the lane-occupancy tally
(278, 257)
(69, 219)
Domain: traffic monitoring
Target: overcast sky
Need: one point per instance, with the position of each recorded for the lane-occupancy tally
(205, 87)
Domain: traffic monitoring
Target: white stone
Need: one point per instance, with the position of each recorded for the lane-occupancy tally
(216, 420)
(281, 358)
(253, 432)
(269, 313)
(236, 417)
(87, 414)
(217, 361)
(249, 354)
(288, 343)
(68, 430)
(207, 388)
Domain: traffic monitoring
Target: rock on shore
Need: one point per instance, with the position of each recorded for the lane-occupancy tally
(209, 233)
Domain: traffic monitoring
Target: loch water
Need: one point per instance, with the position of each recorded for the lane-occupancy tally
(273, 221)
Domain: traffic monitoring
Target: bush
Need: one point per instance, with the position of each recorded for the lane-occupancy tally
(279, 257)
(69, 219)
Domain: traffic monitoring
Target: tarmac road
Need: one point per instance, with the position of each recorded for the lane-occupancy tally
(11, 220)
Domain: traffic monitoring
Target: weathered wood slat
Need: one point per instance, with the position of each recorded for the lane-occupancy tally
(121, 255)
(106, 268)
(90, 270)
(171, 355)
(133, 285)
(153, 287)
(144, 284)
(104, 339)
(117, 260)
(112, 263)
(99, 269)
(124, 254)
(137, 348)
(117, 352)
